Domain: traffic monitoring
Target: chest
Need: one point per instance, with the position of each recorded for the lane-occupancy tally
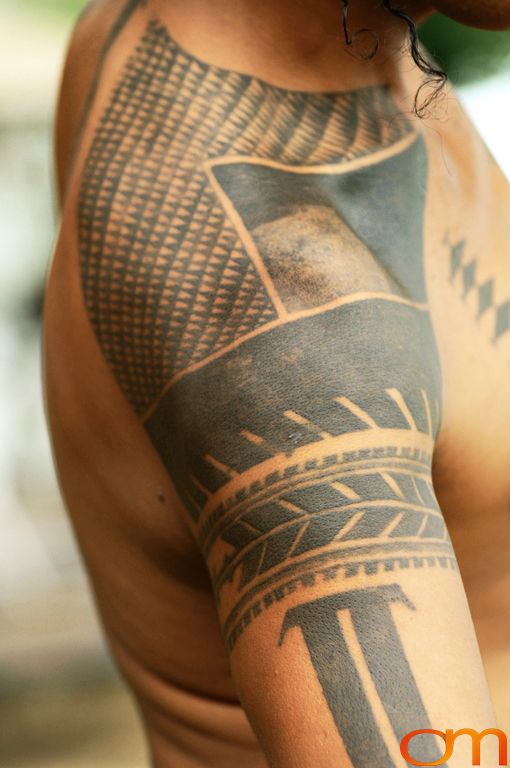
(467, 266)
(467, 274)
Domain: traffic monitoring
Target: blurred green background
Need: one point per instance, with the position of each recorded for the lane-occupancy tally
(61, 703)
(467, 55)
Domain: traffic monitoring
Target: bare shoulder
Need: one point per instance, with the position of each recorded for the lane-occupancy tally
(93, 35)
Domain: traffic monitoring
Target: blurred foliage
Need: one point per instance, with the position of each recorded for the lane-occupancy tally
(66, 8)
(466, 54)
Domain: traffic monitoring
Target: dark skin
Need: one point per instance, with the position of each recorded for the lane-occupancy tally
(276, 322)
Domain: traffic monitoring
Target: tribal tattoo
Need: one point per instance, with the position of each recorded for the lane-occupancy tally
(252, 266)
(322, 631)
(463, 274)
(119, 24)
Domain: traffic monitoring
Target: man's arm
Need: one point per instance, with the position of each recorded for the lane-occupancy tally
(252, 265)
(337, 587)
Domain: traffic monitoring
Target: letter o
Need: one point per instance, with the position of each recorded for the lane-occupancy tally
(404, 746)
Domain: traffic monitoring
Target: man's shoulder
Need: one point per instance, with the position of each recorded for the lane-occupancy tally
(92, 37)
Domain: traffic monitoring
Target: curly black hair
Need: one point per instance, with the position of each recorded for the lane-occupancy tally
(436, 78)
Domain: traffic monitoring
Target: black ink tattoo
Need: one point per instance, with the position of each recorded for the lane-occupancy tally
(167, 279)
(463, 272)
(120, 22)
(266, 473)
(264, 248)
(252, 266)
(311, 578)
(342, 685)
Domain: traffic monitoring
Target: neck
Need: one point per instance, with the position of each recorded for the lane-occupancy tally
(297, 44)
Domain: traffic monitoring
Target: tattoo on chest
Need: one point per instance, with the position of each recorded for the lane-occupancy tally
(252, 266)
(464, 275)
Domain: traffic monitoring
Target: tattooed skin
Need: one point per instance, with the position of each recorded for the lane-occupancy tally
(339, 677)
(252, 266)
(120, 22)
(463, 273)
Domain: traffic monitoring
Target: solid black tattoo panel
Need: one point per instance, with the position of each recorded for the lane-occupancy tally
(358, 366)
(330, 231)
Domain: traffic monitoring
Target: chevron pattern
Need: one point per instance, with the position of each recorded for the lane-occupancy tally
(383, 504)
(357, 498)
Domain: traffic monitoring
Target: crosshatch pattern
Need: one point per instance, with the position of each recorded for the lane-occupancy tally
(167, 281)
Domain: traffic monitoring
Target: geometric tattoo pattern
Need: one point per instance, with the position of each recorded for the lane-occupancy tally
(342, 687)
(485, 290)
(166, 277)
(252, 266)
(357, 509)
(294, 495)
(215, 212)
(391, 500)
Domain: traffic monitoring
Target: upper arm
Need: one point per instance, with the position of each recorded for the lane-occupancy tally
(268, 321)
(303, 457)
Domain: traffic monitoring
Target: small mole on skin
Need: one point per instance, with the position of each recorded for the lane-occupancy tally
(161, 497)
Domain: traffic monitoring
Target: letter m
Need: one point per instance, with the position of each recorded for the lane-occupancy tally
(476, 739)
